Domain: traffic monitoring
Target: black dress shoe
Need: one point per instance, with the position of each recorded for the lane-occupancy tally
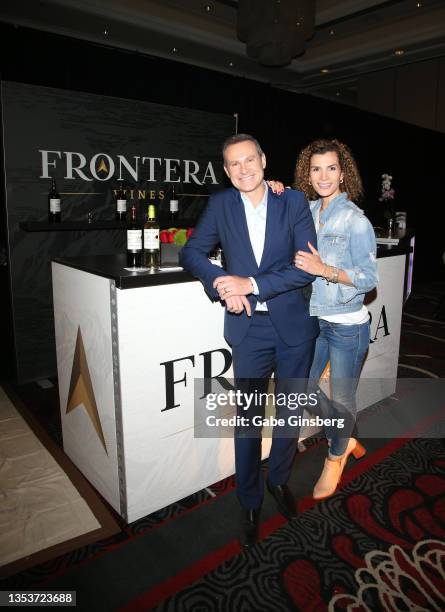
(249, 528)
(284, 499)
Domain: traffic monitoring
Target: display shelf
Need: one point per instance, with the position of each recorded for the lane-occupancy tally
(99, 224)
(45, 226)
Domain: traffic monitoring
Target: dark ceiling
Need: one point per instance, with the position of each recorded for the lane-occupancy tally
(352, 37)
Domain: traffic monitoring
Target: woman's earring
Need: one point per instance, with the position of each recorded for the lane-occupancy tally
(341, 180)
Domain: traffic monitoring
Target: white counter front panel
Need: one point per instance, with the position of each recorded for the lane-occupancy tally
(386, 316)
(83, 324)
(163, 460)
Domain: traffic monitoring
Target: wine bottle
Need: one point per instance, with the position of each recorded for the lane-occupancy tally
(121, 204)
(174, 207)
(54, 212)
(134, 241)
(151, 240)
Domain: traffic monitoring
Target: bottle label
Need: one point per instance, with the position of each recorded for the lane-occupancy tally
(134, 240)
(151, 238)
(121, 206)
(54, 205)
(174, 206)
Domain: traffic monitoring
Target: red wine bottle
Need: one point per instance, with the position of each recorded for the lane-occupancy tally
(121, 204)
(174, 208)
(54, 201)
(134, 241)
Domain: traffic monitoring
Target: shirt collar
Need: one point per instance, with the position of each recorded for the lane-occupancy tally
(247, 202)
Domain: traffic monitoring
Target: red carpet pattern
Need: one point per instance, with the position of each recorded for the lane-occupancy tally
(399, 581)
(311, 561)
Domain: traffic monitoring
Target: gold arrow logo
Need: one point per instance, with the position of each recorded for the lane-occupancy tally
(81, 388)
(102, 166)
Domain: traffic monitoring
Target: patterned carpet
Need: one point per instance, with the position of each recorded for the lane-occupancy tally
(309, 562)
(334, 554)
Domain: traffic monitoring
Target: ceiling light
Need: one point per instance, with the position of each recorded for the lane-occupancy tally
(105, 32)
(207, 8)
(419, 5)
(324, 70)
(337, 93)
(174, 50)
(332, 32)
(231, 64)
(399, 52)
(292, 25)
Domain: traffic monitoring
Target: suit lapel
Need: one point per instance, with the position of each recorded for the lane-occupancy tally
(272, 223)
(240, 228)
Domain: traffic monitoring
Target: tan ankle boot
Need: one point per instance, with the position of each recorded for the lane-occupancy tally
(328, 481)
(333, 469)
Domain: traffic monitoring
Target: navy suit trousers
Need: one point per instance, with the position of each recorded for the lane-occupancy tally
(260, 353)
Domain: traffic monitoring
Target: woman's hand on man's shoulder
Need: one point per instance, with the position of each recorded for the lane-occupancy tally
(277, 187)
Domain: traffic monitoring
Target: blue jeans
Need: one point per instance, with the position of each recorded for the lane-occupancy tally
(345, 346)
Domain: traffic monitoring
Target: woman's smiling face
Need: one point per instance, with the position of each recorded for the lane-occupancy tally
(325, 175)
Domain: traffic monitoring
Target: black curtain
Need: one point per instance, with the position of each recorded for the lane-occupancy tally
(282, 121)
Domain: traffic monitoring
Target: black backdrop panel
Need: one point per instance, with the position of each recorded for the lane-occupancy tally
(107, 139)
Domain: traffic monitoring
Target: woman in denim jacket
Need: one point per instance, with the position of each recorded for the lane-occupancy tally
(346, 269)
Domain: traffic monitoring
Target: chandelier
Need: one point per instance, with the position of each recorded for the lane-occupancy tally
(275, 31)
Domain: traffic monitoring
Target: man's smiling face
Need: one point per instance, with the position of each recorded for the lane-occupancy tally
(245, 167)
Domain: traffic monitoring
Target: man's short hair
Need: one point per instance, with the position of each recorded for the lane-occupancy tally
(241, 138)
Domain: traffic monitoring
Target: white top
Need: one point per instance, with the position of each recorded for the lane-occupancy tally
(349, 318)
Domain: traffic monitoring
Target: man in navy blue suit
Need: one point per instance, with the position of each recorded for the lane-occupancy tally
(267, 320)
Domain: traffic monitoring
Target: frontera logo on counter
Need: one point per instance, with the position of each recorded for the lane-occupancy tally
(382, 325)
(175, 372)
(103, 167)
(81, 392)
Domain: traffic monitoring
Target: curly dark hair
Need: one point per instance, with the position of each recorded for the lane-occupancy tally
(352, 183)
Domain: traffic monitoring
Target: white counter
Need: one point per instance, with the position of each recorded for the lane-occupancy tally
(127, 359)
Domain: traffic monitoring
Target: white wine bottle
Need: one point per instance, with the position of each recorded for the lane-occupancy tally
(152, 255)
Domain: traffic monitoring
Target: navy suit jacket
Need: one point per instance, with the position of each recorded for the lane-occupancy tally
(289, 227)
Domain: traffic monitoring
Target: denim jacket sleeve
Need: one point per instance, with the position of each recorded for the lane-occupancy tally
(363, 250)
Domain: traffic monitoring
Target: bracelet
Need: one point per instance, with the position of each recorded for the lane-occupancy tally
(332, 275)
(326, 275)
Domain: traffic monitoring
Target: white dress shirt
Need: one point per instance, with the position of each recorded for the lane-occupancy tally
(256, 225)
